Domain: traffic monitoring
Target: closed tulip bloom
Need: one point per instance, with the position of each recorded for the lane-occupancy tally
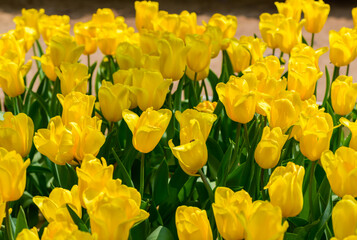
(192, 223)
(103, 16)
(238, 97)
(125, 77)
(231, 211)
(55, 142)
(187, 25)
(145, 13)
(289, 34)
(341, 170)
(344, 218)
(268, 150)
(54, 207)
(147, 129)
(192, 154)
(315, 13)
(228, 24)
(26, 35)
(206, 106)
(16, 133)
(151, 63)
(65, 230)
(150, 88)
(28, 234)
(302, 49)
(285, 189)
(149, 42)
(268, 26)
(199, 48)
(172, 57)
(128, 56)
(290, 8)
(75, 105)
(166, 22)
(85, 34)
(113, 99)
(197, 76)
(354, 16)
(53, 25)
(108, 39)
(352, 126)
(343, 46)
(63, 48)
(47, 66)
(13, 175)
(343, 95)
(217, 42)
(30, 18)
(74, 77)
(265, 222)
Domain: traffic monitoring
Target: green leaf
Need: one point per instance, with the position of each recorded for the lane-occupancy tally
(21, 221)
(224, 166)
(292, 236)
(178, 94)
(213, 80)
(186, 191)
(77, 220)
(327, 89)
(122, 173)
(160, 233)
(161, 183)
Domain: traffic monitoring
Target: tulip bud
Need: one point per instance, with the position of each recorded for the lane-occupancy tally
(231, 211)
(290, 8)
(187, 24)
(147, 129)
(192, 223)
(267, 153)
(13, 175)
(217, 42)
(145, 13)
(341, 170)
(28, 234)
(352, 126)
(102, 17)
(30, 18)
(128, 56)
(344, 218)
(166, 22)
(268, 26)
(199, 48)
(238, 97)
(227, 24)
(343, 46)
(16, 133)
(85, 34)
(125, 77)
(343, 95)
(108, 39)
(53, 25)
(289, 34)
(315, 13)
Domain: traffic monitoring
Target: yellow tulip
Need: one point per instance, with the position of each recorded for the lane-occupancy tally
(150, 88)
(302, 49)
(341, 170)
(93, 174)
(289, 34)
(54, 206)
(125, 77)
(53, 25)
(227, 24)
(187, 24)
(24, 34)
(114, 212)
(268, 150)
(28, 234)
(87, 137)
(245, 52)
(13, 175)
(85, 34)
(231, 211)
(151, 63)
(12, 76)
(166, 22)
(55, 142)
(108, 39)
(74, 77)
(199, 48)
(192, 153)
(197, 76)
(145, 13)
(75, 105)
(268, 26)
(63, 48)
(343, 95)
(238, 97)
(128, 56)
(65, 230)
(30, 18)
(12, 49)
(147, 129)
(265, 222)
(354, 16)
(113, 99)
(344, 218)
(149, 42)
(47, 66)
(206, 106)
(103, 16)
(315, 13)
(173, 53)
(353, 128)
(285, 189)
(16, 133)
(290, 8)
(2, 210)
(217, 41)
(192, 223)
(343, 46)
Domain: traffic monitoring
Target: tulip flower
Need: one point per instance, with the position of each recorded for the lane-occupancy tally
(354, 16)
(113, 99)
(149, 42)
(54, 206)
(289, 34)
(353, 128)
(187, 24)
(343, 46)
(197, 76)
(290, 8)
(145, 13)
(227, 24)
(16, 133)
(231, 211)
(150, 88)
(172, 57)
(192, 223)
(268, 26)
(128, 56)
(217, 42)
(2, 210)
(28, 234)
(74, 77)
(47, 66)
(53, 25)
(30, 18)
(343, 95)
(103, 16)
(85, 34)
(125, 77)
(238, 97)
(12, 49)
(55, 142)
(151, 63)
(13, 175)
(206, 106)
(108, 39)
(265, 222)
(341, 170)
(315, 13)
(65, 230)
(199, 48)
(285, 189)
(147, 129)
(25, 35)
(268, 150)
(344, 218)
(166, 22)
(302, 49)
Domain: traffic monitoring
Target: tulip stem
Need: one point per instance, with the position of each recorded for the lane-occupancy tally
(15, 105)
(262, 183)
(336, 72)
(246, 135)
(207, 185)
(312, 39)
(142, 174)
(8, 223)
(347, 69)
(90, 78)
(205, 88)
(312, 174)
(273, 52)
(235, 153)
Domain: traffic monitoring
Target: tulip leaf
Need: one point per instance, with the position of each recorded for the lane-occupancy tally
(120, 171)
(213, 80)
(178, 94)
(161, 183)
(292, 236)
(77, 220)
(186, 191)
(160, 233)
(21, 221)
(224, 166)
(42, 104)
(327, 89)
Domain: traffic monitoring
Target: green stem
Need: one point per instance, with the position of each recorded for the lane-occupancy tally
(205, 88)
(15, 105)
(347, 69)
(235, 153)
(8, 223)
(110, 59)
(90, 78)
(20, 103)
(197, 93)
(54, 97)
(312, 39)
(336, 73)
(273, 52)
(207, 185)
(142, 174)
(246, 135)
(312, 173)
(262, 183)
